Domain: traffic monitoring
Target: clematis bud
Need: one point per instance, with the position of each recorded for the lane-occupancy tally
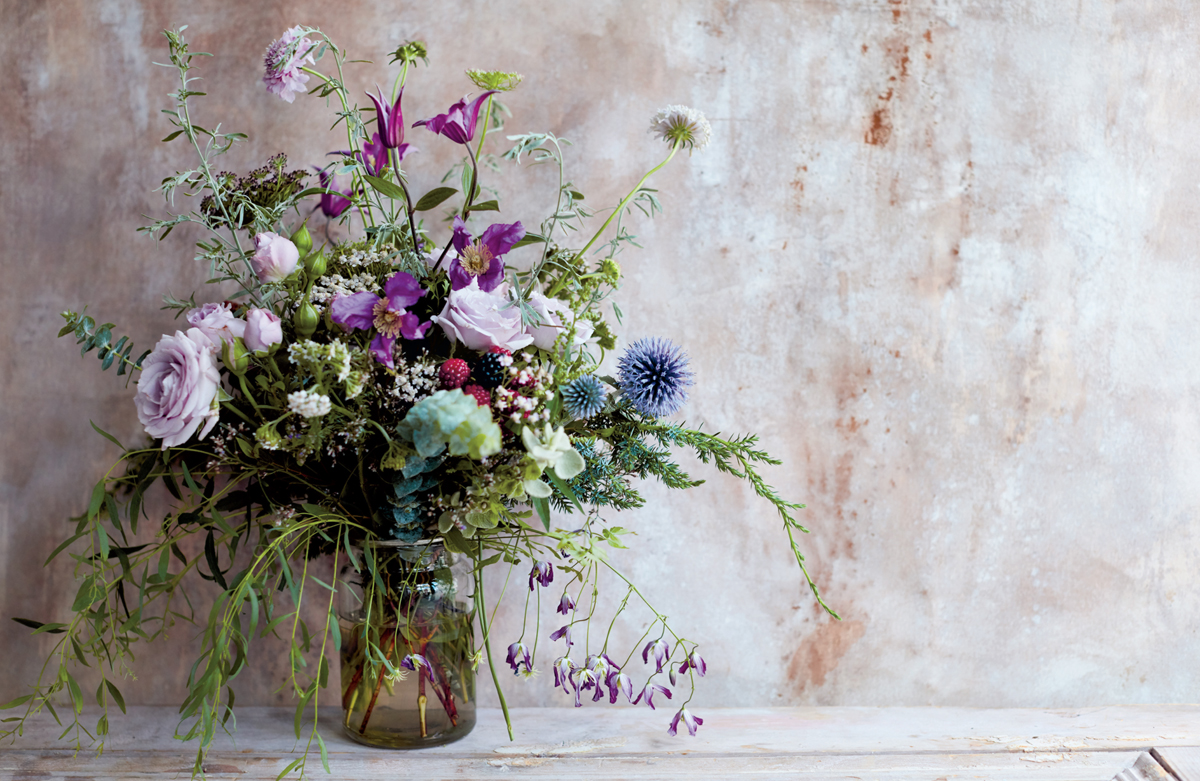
(305, 320)
(315, 264)
(263, 330)
(303, 239)
(275, 257)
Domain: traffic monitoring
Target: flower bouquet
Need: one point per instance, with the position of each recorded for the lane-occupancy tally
(411, 404)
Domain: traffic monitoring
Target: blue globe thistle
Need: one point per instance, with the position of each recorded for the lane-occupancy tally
(583, 397)
(654, 376)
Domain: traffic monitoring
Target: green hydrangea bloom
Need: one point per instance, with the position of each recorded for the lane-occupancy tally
(451, 417)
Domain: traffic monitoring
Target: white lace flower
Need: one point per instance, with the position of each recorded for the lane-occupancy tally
(309, 404)
(682, 125)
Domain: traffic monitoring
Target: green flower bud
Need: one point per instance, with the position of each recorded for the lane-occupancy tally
(306, 320)
(610, 271)
(315, 264)
(303, 239)
(235, 357)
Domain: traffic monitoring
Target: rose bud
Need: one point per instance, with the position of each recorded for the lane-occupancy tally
(263, 330)
(275, 257)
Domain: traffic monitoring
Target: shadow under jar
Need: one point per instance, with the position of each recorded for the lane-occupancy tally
(412, 617)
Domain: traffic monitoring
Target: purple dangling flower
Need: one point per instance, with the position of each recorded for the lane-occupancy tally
(542, 572)
(457, 124)
(690, 721)
(566, 604)
(480, 258)
(648, 692)
(562, 672)
(696, 662)
(619, 683)
(389, 119)
(661, 649)
(583, 679)
(387, 315)
(518, 654)
(415, 661)
(333, 205)
(564, 631)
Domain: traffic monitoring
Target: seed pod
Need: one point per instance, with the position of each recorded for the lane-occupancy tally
(302, 239)
(305, 320)
(315, 264)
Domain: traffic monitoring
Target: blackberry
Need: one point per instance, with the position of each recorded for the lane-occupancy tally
(491, 370)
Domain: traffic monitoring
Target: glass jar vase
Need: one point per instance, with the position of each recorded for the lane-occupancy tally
(407, 646)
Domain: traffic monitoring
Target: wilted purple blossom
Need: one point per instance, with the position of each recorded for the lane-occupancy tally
(661, 650)
(562, 672)
(696, 662)
(619, 683)
(690, 721)
(518, 654)
(566, 604)
(648, 692)
(563, 632)
(283, 61)
(542, 572)
(413, 661)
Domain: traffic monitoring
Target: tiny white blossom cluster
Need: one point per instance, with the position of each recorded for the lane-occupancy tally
(309, 404)
(331, 286)
(315, 357)
(414, 381)
(680, 124)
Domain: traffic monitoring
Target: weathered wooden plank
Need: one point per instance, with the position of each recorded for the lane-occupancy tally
(367, 766)
(1184, 763)
(1145, 768)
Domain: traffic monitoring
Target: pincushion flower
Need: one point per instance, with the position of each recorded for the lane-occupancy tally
(553, 316)
(216, 321)
(275, 257)
(654, 376)
(283, 61)
(681, 125)
(387, 314)
(177, 392)
(263, 330)
(479, 259)
(482, 320)
(457, 124)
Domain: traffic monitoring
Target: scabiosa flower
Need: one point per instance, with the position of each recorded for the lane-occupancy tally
(654, 375)
(566, 604)
(681, 125)
(583, 397)
(309, 403)
(283, 62)
(690, 721)
(661, 650)
(542, 572)
(648, 692)
(518, 654)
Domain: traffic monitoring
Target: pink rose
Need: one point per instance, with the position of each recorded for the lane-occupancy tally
(263, 330)
(275, 257)
(553, 314)
(177, 392)
(482, 320)
(216, 321)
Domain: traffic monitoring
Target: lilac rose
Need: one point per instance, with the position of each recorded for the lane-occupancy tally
(275, 257)
(177, 392)
(263, 330)
(216, 321)
(482, 320)
(553, 315)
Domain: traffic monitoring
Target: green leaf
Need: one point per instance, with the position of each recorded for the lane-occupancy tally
(486, 206)
(210, 555)
(18, 701)
(542, 505)
(432, 198)
(385, 187)
(324, 752)
(530, 238)
(564, 489)
(76, 694)
(172, 137)
(97, 500)
(116, 695)
(79, 652)
(86, 595)
(106, 435)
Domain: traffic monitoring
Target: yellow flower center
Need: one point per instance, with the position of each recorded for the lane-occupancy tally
(476, 259)
(387, 320)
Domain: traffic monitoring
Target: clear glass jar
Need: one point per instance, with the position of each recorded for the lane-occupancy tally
(413, 617)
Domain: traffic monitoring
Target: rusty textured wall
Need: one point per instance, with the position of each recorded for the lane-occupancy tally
(940, 253)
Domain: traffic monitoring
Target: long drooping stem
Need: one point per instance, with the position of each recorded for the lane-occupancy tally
(481, 611)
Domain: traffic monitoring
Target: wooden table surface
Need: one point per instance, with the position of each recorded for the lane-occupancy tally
(1127, 742)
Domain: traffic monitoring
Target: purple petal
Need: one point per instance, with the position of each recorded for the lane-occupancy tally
(471, 113)
(461, 237)
(411, 326)
(459, 276)
(675, 722)
(354, 312)
(500, 238)
(491, 279)
(381, 348)
(402, 290)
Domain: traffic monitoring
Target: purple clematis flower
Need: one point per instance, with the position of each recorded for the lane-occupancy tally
(389, 119)
(661, 649)
(387, 315)
(414, 661)
(564, 631)
(648, 693)
(566, 604)
(374, 156)
(696, 662)
(518, 654)
(690, 721)
(562, 672)
(480, 258)
(457, 124)
(542, 572)
(333, 205)
(619, 683)
(583, 679)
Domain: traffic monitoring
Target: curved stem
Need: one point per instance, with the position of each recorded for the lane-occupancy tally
(481, 611)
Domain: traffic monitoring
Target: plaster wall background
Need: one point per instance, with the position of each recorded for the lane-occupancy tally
(940, 254)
